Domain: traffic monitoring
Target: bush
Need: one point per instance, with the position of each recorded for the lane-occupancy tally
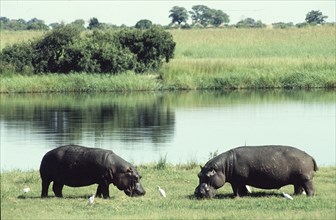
(49, 51)
(99, 52)
(17, 57)
(150, 47)
(63, 50)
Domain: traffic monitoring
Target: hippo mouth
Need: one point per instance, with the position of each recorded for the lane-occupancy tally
(135, 190)
(205, 191)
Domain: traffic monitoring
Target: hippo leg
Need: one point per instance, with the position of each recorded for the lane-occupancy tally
(57, 188)
(103, 190)
(308, 187)
(99, 192)
(242, 191)
(298, 189)
(45, 187)
(239, 190)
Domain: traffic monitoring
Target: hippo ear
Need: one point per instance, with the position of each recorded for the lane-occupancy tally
(129, 169)
(211, 172)
(201, 167)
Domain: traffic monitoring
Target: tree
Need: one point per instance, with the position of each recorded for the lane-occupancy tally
(49, 51)
(36, 24)
(198, 14)
(143, 24)
(250, 23)
(93, 23)
(79, 23)
(315, 17)
(216, 17)
(179, 15)
(204, 15)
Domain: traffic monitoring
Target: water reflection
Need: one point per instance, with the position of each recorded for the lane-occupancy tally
(70, 117)
(184, 125)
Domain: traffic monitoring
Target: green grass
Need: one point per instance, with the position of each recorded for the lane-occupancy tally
(179, 182)
(78, 82)
(210, 59)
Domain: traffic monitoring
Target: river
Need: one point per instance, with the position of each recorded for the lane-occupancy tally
(183, 127)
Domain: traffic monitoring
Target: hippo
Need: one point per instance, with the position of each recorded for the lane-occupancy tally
(265, 167)
(76, 166)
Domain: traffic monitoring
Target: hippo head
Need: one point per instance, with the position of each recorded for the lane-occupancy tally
(128, 180)
(205, 191)
(210, 179)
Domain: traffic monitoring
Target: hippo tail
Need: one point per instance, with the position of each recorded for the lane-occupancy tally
(315, 165)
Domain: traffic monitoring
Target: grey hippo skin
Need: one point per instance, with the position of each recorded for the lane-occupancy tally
(77, 166)
(265, 167)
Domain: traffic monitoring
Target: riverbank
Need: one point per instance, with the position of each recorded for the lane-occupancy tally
(210, 59)
(168, 80)
(179, 182)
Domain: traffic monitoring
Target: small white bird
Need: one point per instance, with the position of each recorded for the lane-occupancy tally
(26, 189)
(248, 189)
(162, 192)
(287, 196)
(91, 200)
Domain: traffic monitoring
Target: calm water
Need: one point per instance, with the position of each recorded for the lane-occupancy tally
(183, 126)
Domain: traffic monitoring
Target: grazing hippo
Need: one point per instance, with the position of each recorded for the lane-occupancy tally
(266, 167)
(76, 166)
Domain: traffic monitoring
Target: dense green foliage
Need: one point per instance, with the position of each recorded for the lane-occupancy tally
(315, 17)
(249, 23)
(65, 50)
(143, 24)
(208, 59)
(178, 15)
(179, 182)
(20, 24)
(205, 16)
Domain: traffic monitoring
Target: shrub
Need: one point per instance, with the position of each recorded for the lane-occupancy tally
(64, 50)
(49, 51)
(99, 52)
(150, 47)
(18, 56)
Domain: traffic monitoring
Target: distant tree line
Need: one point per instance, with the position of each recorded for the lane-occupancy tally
(202, 17)
(65, 50)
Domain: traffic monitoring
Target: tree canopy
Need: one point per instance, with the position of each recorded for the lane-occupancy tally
(205, 16)
(250, 23)
(64, 50)
(143, 24)
(179, 15)
(315, 17)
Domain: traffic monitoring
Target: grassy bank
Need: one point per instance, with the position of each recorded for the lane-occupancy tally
(179, 183)
(212, 59)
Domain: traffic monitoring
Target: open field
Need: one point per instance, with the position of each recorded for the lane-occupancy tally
(179, 182)
(211, 59)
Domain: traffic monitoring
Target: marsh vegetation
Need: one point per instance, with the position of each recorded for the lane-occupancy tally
(210, 59)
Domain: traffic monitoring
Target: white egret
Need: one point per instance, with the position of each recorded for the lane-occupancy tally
(248, 189)
(26, 189)
(91, 200)
(162, 192)
(287, 196)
